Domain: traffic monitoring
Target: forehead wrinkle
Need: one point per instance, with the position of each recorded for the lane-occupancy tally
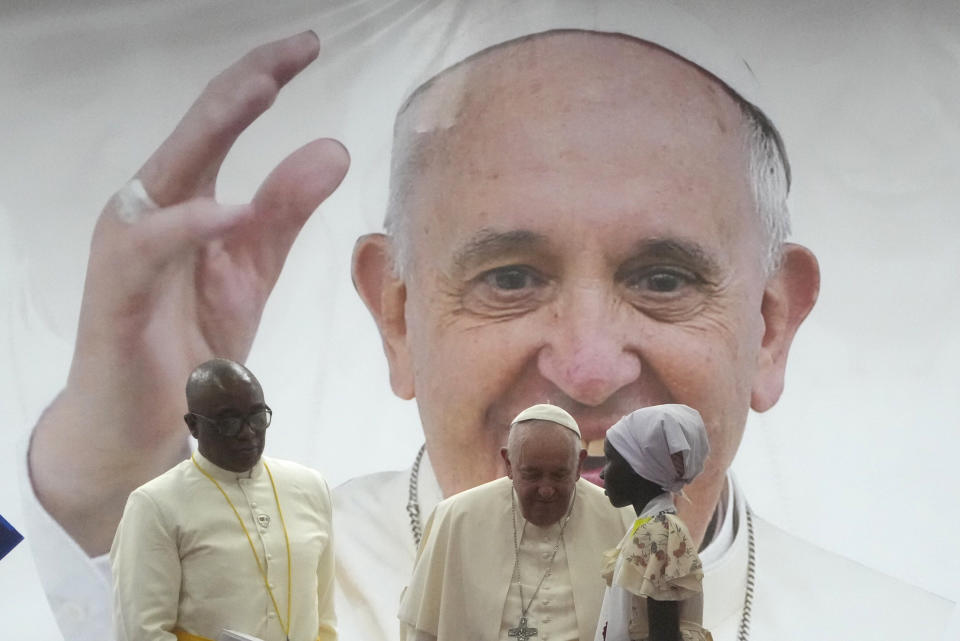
(465, 130)
(488, 244)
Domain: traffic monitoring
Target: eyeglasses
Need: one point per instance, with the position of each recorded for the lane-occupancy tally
(230, 426)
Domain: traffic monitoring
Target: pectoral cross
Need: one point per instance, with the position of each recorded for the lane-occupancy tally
(522, 632)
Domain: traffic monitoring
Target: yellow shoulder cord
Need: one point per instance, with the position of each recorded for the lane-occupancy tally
(256, 557)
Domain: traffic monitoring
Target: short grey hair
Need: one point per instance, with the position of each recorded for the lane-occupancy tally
(769, 173)
(767, 166)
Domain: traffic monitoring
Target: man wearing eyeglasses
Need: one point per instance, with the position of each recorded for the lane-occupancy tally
(227, 539)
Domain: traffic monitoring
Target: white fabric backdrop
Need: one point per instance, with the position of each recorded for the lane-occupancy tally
(858, 456)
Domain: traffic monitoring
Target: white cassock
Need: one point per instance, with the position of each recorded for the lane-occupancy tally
(181, 560)
(462, 585)
(802, 592)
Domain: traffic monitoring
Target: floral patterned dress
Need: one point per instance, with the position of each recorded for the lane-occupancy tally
(656, 559)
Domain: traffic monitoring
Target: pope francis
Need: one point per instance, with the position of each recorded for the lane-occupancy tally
(519, 557)
(226, 540)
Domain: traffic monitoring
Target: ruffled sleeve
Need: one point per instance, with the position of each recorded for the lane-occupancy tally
(659, 560)
(609, 564)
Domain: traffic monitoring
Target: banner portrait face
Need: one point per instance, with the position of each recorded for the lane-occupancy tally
(571, 218)
(601, 254)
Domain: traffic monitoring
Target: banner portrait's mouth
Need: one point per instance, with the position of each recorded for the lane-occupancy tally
(593, 464)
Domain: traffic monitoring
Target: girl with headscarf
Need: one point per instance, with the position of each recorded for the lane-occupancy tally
(654, 576)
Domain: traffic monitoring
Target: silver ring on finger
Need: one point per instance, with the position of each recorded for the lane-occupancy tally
(133, 202)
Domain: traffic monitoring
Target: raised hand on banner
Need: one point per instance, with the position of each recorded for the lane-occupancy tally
(174, 278)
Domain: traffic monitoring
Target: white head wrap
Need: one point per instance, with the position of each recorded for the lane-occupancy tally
(547, 412)
(648, 437)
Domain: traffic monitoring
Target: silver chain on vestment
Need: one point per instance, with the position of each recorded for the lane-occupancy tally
(743, 633)
(516, 550)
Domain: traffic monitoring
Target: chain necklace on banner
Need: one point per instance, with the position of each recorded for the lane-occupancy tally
(743, 633)
(413, 498)
(256, 557)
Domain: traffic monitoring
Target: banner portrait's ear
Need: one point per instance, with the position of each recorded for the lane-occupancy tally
(789, 296)
(384, 293)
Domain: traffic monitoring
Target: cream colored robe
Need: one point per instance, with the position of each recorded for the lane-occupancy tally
(465, 563)
(180, 558)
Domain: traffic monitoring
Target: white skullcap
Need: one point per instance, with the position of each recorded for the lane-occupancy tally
(547, 412)
(647, 437)
(486, 24)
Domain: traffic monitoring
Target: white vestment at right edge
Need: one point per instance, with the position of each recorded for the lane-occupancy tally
(801, 593)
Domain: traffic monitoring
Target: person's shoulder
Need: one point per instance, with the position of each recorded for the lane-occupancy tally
(481, 494)
(671, 519)
(163, 494)
(292, 472)
(795, 555)
(591, 492)
(472, 505)
(171, 481)
(668, 525)
(472, 510)
(292, 468)
(816, 580)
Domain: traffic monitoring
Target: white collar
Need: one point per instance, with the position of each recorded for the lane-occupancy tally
(725, 559)
(724, 531)
(660, 503)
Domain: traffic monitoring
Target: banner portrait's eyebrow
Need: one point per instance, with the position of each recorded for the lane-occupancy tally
(689, 253)
(487, 244)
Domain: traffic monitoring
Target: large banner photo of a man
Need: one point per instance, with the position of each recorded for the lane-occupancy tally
(417, 220)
